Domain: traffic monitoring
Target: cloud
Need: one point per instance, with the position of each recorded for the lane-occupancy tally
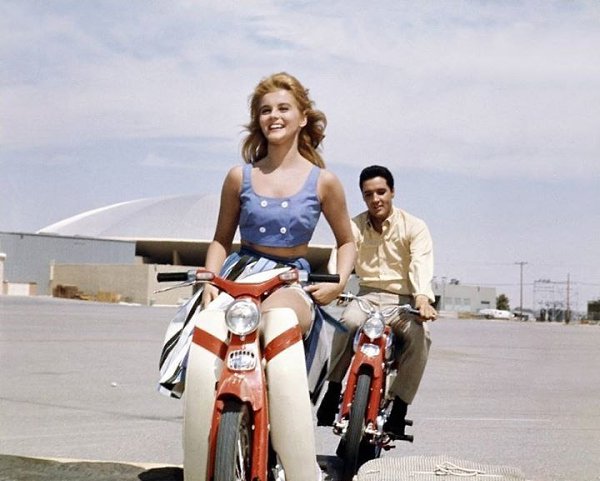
(483, 88)
(191, 154)
(498, 92)
(490, 109)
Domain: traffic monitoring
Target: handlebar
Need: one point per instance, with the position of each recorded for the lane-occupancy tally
(190, 276)
(324, 278)
(369, 308)
(175, 276)
(236, 289)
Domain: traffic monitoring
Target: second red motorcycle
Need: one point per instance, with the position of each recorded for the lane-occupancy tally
(365, 404)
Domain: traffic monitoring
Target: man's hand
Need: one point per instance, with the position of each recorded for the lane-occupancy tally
(428, 313)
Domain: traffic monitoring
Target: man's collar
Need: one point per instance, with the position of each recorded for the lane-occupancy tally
(387, 221)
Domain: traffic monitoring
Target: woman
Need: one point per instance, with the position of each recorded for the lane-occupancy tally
(275, 200)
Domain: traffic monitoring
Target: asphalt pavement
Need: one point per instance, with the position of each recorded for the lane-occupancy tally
(78, 395)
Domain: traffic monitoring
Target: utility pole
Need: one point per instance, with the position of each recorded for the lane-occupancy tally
(568, 311)
(521, 264)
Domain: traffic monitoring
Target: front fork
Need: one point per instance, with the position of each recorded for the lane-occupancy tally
(243, 378)
(375, 416)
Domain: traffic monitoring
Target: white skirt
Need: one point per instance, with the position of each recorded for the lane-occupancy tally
(240, 265)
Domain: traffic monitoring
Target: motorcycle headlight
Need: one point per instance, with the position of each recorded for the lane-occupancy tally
(242, 316)
(369, 349)
(373, 327)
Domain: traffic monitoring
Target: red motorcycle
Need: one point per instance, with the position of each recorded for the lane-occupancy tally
(239, 447)
(365, 404)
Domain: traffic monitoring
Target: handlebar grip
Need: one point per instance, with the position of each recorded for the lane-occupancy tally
(172, 276)
(324, 278)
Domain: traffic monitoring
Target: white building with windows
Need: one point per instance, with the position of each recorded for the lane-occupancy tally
(457, 297)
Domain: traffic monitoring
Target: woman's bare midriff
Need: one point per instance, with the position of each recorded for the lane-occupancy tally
(285, 252)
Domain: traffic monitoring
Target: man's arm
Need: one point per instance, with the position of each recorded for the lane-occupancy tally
(421, 270)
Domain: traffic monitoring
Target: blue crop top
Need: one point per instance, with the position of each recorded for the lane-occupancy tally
(279, 221)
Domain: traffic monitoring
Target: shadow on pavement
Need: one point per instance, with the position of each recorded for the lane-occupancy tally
(17, 468)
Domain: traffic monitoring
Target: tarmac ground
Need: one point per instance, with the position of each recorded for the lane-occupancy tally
(427, 468)
(78, 397)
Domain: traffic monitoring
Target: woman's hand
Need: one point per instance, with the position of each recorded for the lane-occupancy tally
(209, 294)
(324, 292)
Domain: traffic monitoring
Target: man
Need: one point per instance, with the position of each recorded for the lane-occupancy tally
(395, 266)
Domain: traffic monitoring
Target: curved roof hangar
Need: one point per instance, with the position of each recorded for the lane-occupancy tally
(169, 230)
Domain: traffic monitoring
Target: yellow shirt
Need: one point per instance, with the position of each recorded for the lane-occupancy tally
(400, 259)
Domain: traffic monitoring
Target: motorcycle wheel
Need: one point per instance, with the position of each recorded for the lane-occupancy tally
(234, 443)
(356, 426)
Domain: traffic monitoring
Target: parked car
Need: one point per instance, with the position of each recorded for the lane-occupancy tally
(496, 314)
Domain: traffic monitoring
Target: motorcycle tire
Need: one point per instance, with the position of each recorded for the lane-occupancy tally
(356, 427)
(234, 443)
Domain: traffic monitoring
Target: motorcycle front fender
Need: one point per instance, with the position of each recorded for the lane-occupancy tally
(376, 366)
(248, 387)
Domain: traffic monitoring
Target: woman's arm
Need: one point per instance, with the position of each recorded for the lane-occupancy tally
(229, 214)
(333, 205)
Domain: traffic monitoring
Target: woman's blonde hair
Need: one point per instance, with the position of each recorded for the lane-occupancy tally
(255, 147)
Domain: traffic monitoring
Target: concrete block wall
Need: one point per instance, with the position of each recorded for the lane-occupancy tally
(123, 282)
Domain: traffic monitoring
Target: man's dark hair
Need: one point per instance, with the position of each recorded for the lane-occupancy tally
(373, 171)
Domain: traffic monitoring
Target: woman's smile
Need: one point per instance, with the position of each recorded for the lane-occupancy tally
(279, 114)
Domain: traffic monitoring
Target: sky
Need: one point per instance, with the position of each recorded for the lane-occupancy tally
(487, 113)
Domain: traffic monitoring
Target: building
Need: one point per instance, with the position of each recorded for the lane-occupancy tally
(115, 252)
(30, 258)
(2, 259)
(457, 297)
(593, 310)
